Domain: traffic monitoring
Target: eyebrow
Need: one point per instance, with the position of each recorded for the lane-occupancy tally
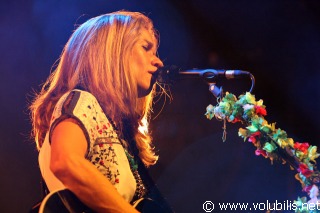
(149, 42)
(153, 44)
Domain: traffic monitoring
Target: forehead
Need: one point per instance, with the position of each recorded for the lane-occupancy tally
(148, 34)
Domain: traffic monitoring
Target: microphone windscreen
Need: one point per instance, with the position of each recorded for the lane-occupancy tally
(167, 74)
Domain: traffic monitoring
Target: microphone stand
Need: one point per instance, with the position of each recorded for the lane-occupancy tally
(215, 90)
(169, 74)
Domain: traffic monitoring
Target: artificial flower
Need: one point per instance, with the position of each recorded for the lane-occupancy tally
(279, 134)
(225, 108)
(260, 110)
(313, 153)
(253, 137)
(209, 114)
(233, 119)
(243, 133)
(307, 188)
(248, 107)
(252, 128)
(269, 147)
(266, 137)
(261, 152)
(259, 103)
(304, 169)
(303, 147)
(250, 98)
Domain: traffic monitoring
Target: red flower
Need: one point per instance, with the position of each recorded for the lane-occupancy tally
(260, 110)
(116, 180)
(253, 137)
(256, 134)
(100, 144)
(303, 169)
(261, 152)
(235, 120)
(303, 147)
(100, 131)
(101, 162)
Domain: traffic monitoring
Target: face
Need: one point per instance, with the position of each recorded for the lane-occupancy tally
(144, 62)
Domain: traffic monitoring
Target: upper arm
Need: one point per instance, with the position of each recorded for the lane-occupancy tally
(68, 141)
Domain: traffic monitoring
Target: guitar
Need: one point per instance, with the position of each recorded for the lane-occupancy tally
(64, 201)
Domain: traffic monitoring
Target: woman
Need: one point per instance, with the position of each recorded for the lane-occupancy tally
(90, 119)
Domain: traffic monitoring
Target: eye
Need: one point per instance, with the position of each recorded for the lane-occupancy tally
(146, 47)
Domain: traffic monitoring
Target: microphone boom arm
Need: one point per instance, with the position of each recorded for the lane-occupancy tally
(168, 74)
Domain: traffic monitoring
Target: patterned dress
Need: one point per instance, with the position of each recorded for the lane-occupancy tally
(105, 149)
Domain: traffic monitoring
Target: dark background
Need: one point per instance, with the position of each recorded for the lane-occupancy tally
(276, 40)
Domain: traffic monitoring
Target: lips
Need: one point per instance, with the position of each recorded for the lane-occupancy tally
(152, 72)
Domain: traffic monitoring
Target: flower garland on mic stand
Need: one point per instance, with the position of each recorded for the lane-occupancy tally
(271, 142)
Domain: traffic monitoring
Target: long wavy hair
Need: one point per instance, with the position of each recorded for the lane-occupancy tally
(96, 58)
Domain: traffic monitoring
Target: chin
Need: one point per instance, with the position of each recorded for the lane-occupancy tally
(146, 89)
(144, 92)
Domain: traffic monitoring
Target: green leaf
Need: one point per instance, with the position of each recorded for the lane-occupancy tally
(283, 143)
(265, 129)
(312, 153)
(225, 108)
(279, 134)
(269, 147)
(252, 128)
(250, 98)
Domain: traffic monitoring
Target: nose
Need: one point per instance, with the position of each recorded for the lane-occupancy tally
(156, 62)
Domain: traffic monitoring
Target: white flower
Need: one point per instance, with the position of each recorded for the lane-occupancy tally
(247, 106)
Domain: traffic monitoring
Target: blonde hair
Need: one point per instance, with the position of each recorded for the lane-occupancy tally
(96, 58)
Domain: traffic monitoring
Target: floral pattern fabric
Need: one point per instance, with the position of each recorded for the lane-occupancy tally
(105, 150)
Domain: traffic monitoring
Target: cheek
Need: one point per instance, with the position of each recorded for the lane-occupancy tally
(140, 60)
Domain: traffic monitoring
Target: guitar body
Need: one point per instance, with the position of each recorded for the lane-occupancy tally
(64, 201)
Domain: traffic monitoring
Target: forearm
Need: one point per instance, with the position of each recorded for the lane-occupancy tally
(90, 186)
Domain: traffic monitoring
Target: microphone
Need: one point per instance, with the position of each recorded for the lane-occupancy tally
(210, 75)
(167, 74)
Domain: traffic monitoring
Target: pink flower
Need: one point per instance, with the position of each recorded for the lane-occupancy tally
(260, 110)
(307, 188)
(261, 152)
